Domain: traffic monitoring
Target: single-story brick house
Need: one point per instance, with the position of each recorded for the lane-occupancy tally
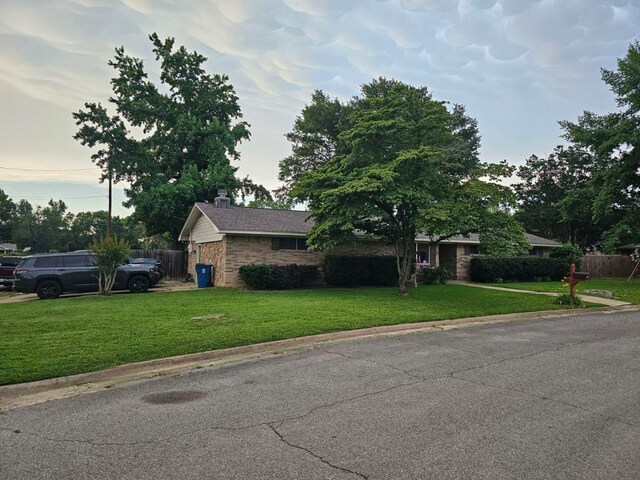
(228, 237)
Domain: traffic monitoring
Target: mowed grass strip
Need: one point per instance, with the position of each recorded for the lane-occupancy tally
(628, 291)
(45, 339)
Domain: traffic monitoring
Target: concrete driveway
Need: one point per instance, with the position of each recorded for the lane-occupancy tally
(554, 398)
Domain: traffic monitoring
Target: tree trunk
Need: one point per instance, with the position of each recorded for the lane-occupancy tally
(404, 261)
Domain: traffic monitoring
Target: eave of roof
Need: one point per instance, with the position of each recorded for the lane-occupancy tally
(194, 215)
(295, 223)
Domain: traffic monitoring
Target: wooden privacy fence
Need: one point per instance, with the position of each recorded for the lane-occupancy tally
(173, 261)
(607, 265)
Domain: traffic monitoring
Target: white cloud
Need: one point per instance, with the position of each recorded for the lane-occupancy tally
(518, 65)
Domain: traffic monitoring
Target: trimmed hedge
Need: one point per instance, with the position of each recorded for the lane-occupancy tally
(433, 275)
(569, 254)
(352, 271)
(259, 276)
(526, 268)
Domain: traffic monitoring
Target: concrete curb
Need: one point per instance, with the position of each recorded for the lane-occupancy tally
(23, 394)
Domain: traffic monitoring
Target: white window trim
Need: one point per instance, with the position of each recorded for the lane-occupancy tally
(428, 262)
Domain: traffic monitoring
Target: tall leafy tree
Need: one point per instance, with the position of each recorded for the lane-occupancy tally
(556, 197)
(43, 228)
(7, 211)
(314, 140)
(23, 225)
(173, 143)
(87, 227)
(613, 140)
(402, 163)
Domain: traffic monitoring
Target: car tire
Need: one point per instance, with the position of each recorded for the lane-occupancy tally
(139, 284)
(48, 289)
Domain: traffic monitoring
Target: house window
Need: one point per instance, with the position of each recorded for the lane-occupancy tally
(471, 250)
(423, 254)
(288, 243)
(198, 252)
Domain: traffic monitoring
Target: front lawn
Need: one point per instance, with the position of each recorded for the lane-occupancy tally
(44, 339)
(623, 290)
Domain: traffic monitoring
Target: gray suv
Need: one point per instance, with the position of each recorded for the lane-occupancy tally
(50, 275)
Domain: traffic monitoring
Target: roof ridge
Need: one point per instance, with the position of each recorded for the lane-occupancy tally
(246, 207)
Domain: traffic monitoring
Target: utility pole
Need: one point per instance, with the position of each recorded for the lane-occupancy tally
(110, 200)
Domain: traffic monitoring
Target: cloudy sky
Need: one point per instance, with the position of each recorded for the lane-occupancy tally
(519, 66)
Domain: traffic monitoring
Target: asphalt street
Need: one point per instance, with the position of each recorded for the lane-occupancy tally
(551, 398)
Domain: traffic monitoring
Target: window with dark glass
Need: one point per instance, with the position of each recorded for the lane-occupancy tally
(471, 250)
(423, 255)
(76, 261)
(46, 262)
(288, 243)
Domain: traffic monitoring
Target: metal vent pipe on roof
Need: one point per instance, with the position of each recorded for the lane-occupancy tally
(222, 201)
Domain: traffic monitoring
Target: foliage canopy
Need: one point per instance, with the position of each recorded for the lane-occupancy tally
(173, 143)
(613, 143)
(391, 163)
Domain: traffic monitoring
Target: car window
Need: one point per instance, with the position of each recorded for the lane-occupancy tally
(76, 261)
(46, 262)
(10, 261)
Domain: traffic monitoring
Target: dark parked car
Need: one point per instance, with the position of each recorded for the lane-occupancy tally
(148, 261)
(7, 268)
(50, 275)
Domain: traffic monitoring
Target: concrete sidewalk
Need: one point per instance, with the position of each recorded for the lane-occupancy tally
(587, 298)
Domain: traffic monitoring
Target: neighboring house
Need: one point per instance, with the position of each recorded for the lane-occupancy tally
(228, 237)
(8, 247)
(629, 249)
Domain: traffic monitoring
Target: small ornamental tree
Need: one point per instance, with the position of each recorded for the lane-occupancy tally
(109, 253)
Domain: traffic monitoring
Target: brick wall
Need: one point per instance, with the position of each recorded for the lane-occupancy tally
(463, 263)
(244, 250)
(211, 253)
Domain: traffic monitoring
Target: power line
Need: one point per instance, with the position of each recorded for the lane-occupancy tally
(47, 170)
(56, 197)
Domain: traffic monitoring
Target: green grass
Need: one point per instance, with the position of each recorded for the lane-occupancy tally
(623, 290)
(44, 339)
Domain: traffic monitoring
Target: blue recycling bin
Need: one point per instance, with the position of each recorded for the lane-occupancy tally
(203, 274)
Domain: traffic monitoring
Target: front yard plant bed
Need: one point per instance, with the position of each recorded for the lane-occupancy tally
(45, 339)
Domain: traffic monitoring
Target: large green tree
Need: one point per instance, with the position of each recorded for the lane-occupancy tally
(173, 143)
(399, 163)
(7, 211)
(613, 140)
(88, 227)
(556, 197)
(314, 140)
(43, 228)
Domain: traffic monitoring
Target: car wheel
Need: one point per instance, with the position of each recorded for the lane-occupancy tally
(138, 284)
(48, 289)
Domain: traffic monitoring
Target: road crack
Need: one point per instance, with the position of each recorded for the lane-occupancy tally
(375, 362)
(315, 455)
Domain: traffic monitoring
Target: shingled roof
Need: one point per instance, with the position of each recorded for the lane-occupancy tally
(474, 239)
(255, 220)
(292, 222)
